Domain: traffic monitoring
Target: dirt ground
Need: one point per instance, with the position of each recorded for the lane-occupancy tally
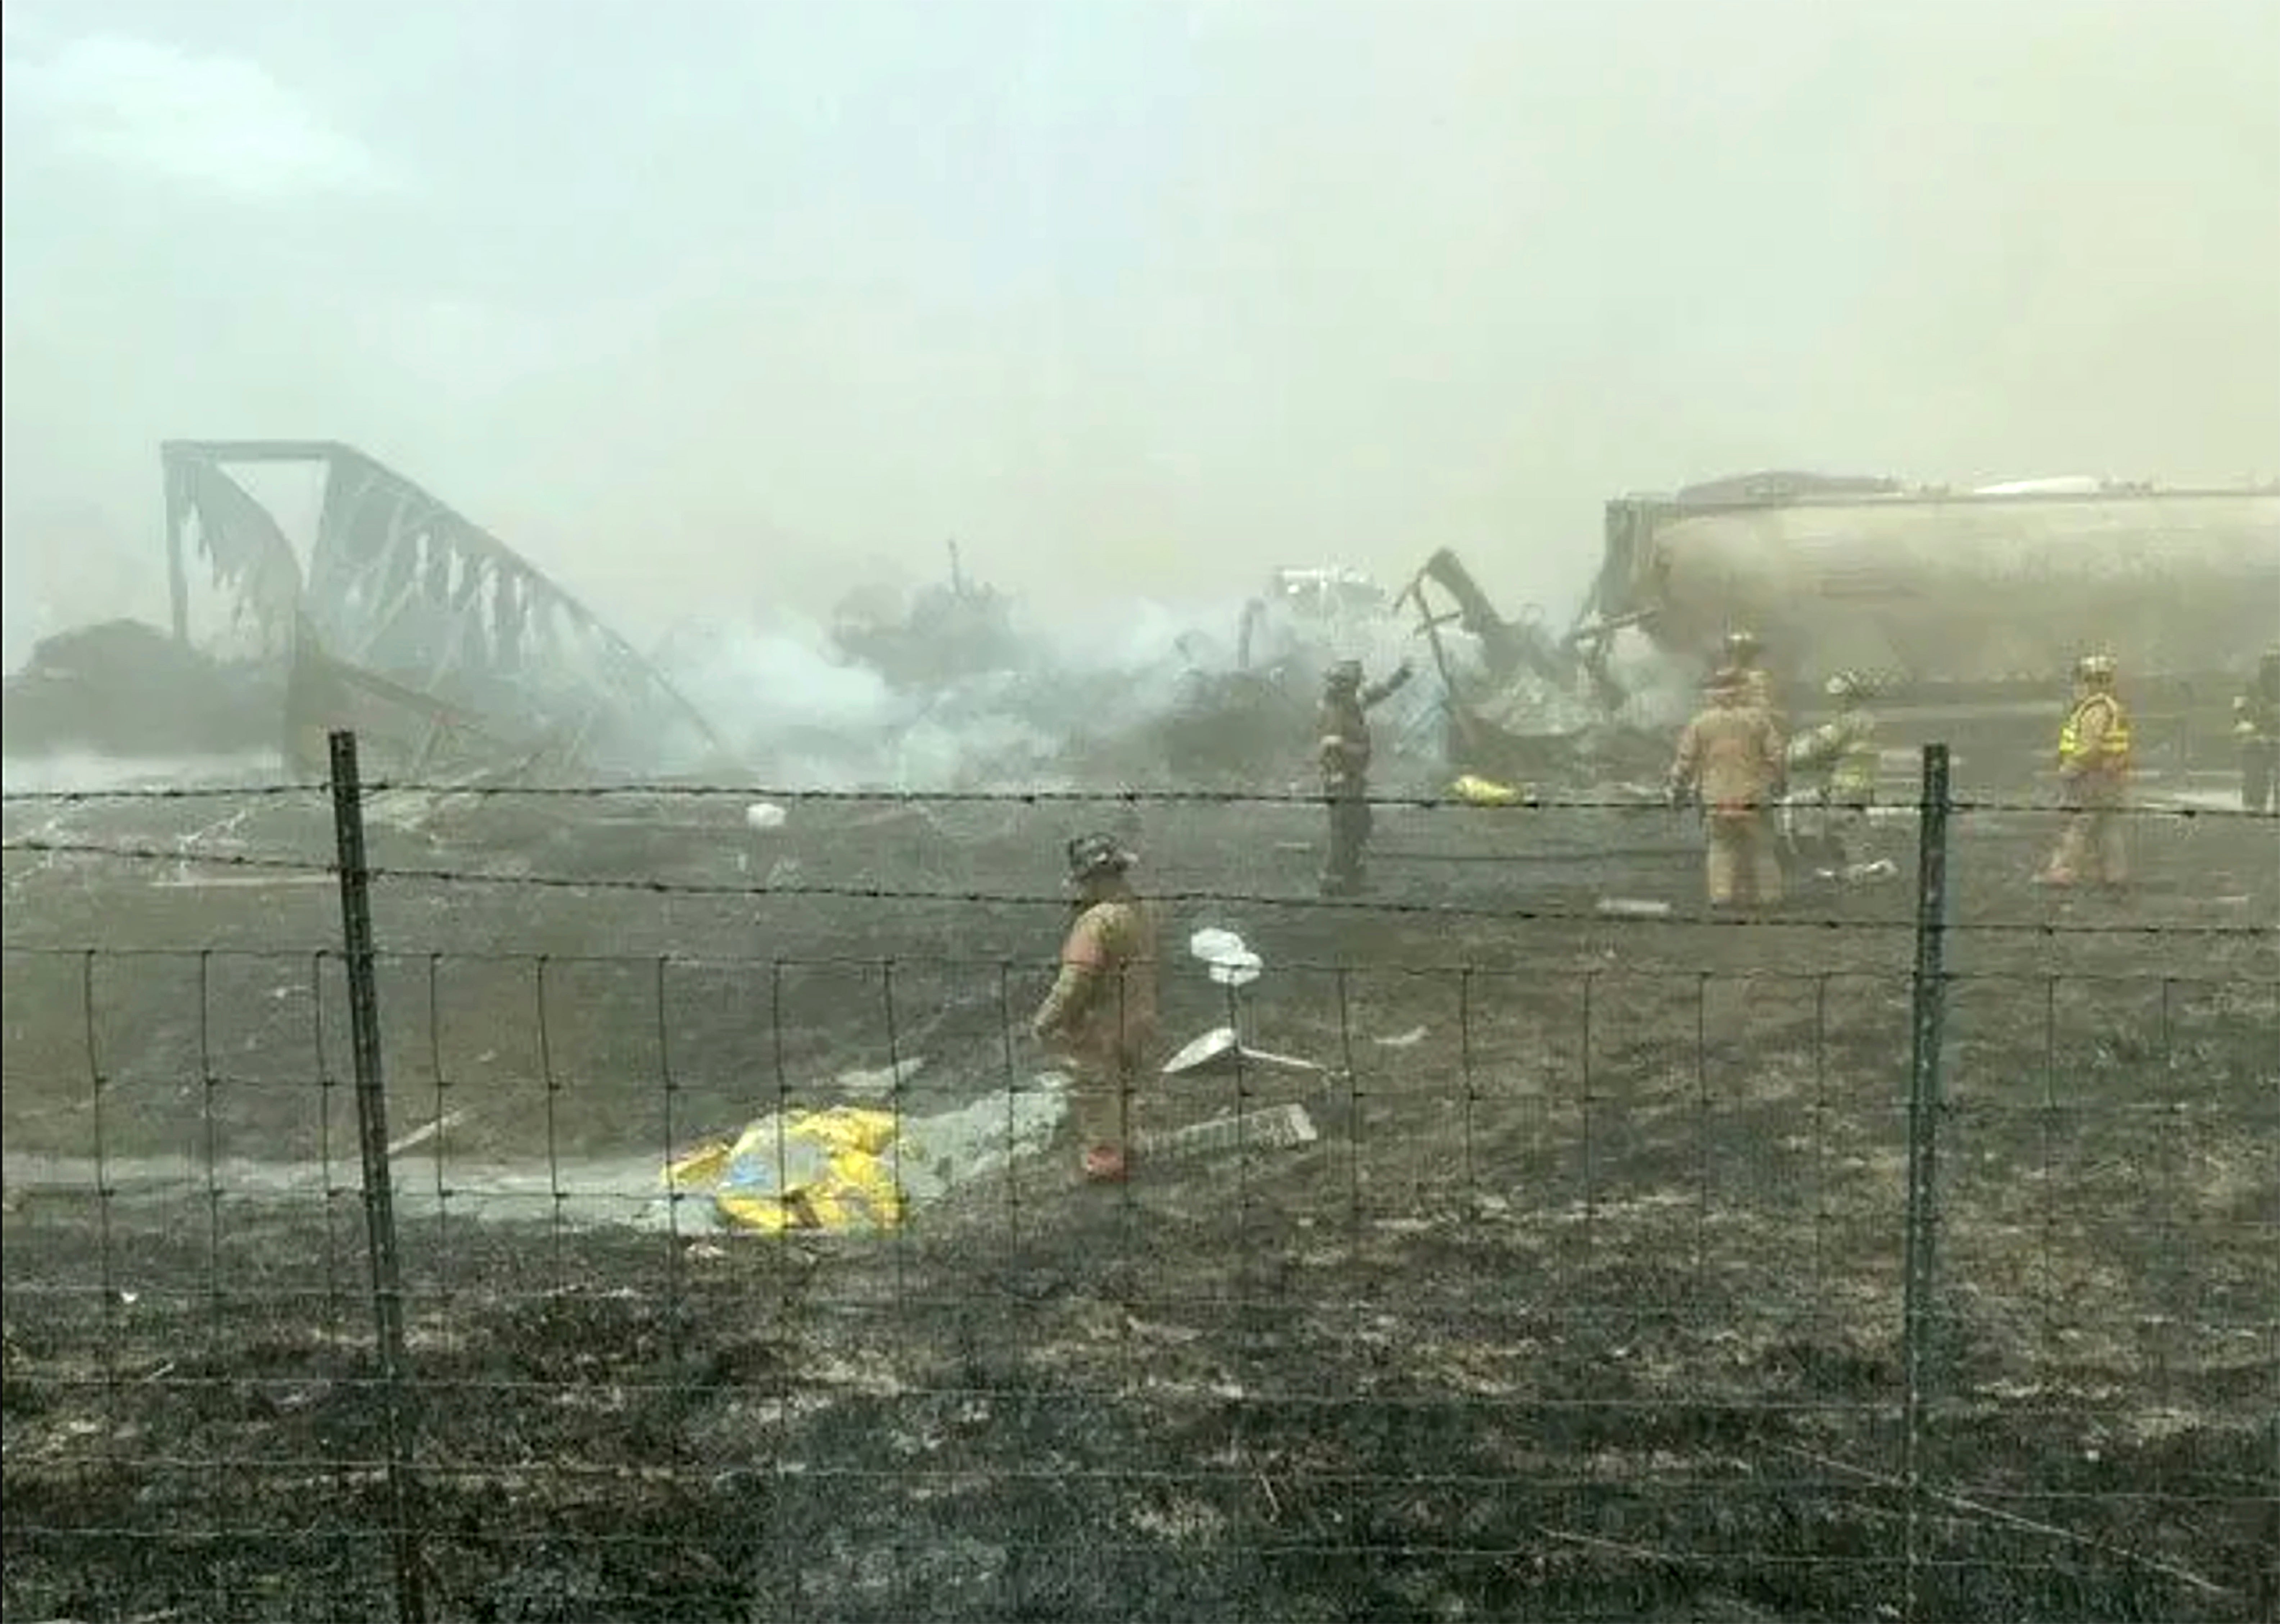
(1586, 1304)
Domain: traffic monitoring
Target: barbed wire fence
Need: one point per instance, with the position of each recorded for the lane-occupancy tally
(1657, 1292)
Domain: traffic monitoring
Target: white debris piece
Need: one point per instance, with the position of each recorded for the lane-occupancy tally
(982, 1137)
(1228, 959)
(1220, 1050)
(877, 1083)
(763, 816)
(1278, 1127)
(1633, 908)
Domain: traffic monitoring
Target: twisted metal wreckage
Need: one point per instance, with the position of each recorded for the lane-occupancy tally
(440, 643)
(454, 657)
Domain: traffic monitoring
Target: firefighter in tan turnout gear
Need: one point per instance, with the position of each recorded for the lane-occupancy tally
(1343, 745)
(1729, 761)
(2093, 780)
(1099, 1020)
(1746, 657)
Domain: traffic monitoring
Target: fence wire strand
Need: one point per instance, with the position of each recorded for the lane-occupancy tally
(1521, 803)
(2052, 924)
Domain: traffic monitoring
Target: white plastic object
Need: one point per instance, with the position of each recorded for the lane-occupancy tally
(1230, 963)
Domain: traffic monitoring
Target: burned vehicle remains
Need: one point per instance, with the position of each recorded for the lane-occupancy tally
(951, 629)
(1244, 721)
(1521, 705)
(447, 650)
(126, 688)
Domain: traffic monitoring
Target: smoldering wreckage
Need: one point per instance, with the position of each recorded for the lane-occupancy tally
(1596, 1409)
(453, 655)
(461, 664)
(457, 658)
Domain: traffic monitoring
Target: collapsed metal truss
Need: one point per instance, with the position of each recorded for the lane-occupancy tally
(401, 586)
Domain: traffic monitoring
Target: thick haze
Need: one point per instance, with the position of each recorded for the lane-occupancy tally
(704, 306)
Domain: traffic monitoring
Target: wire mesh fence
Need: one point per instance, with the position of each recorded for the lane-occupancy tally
(1491, 1266)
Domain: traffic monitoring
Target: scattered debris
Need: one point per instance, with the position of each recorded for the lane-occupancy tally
(827, 1169)
(1866, 873)
(1231, 963)
(876, 1082)
(856, 1170)
(1477, 791)
(1220, 1050)
(428, 1130)
(1633, 908)
(1402, 1040)
(1279, 1128)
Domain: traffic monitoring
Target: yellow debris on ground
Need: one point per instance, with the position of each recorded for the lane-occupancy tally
(1476, 791)
(829, 1169)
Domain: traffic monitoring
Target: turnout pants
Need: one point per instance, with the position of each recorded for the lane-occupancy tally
(2090, 847)
(1349, 832)
(1741, 864)
(1100, 1101)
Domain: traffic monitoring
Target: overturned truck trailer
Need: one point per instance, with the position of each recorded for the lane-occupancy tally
(440, 643)
(1961, 605)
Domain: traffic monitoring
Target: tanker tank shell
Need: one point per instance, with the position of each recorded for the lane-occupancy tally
(1977, 588)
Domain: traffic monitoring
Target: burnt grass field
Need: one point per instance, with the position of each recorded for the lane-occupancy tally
(1586, 1303)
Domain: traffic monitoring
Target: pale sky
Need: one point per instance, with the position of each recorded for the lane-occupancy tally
(701, 303)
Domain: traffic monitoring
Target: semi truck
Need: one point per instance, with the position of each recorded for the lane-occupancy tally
(1966, 609)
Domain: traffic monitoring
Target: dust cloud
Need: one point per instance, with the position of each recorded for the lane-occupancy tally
(704, 309)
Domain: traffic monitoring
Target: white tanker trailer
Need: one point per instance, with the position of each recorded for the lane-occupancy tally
(1966, 609)
(1932, 591)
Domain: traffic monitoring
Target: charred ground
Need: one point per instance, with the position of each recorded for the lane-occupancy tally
(1585, 1305)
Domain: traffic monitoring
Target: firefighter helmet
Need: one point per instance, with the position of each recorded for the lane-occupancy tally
(2095, 668)
(1093, 857)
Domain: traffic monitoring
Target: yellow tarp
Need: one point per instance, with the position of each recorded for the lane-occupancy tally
(829, 1169)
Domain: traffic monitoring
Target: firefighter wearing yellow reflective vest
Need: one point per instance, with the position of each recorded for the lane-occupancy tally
(2093, 780)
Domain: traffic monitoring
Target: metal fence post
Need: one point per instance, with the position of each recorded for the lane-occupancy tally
(1928, 1030)
(379, 1197)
